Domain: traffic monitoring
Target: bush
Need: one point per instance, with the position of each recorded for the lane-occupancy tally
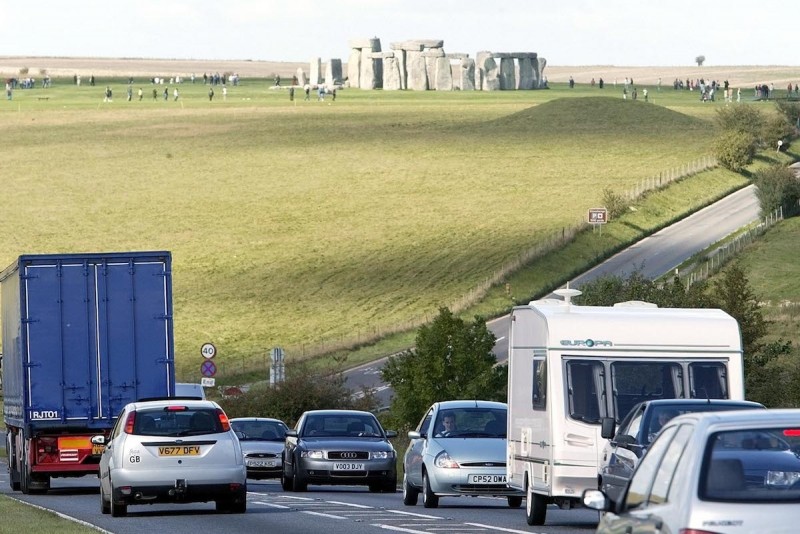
(734, 149)
(742, 118)
(615, 203)
(778, 187)
(777, 129)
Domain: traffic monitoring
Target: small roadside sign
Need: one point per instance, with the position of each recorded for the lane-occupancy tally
(207, 382)
(208, 368)
(208, 350)
(598, 215)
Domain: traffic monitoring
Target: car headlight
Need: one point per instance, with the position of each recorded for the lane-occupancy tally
(382, 455)
(782, 478)
(445, 461)
(316, 455)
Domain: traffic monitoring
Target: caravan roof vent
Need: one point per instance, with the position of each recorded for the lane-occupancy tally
(567, 294)
(635, 304)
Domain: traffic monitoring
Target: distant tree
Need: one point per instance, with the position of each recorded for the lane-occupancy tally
(452, 359)
(700, 60)
(732, 293)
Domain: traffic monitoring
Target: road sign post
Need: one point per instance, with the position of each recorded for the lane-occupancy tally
(598, 217)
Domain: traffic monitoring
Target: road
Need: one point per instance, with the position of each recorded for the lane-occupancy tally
(323, 509)
(653, 256)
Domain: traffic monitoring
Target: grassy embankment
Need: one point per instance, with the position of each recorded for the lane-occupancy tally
(314, 225)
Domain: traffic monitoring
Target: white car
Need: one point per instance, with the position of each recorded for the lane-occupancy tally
(171, 451)
(459, 448)
(735, 472)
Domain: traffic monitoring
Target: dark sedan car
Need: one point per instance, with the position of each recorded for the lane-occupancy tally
(639, 428)
(339, 447)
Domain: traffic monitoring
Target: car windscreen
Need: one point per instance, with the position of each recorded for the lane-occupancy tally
(174, 421)
(354, 426)
(259, 430)
(752, 465)
(473, 422)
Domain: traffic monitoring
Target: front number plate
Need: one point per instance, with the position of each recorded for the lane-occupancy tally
(261, 463)
(348, 467)
(487, 479)
(181, 450)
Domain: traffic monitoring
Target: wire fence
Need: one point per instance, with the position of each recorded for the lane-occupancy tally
(723, 254)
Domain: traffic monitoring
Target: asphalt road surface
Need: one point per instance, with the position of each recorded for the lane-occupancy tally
(653, 256)
(323, 509)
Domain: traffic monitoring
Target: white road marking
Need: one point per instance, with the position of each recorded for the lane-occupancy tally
(323, 515)
(415, 515)
(501, 529)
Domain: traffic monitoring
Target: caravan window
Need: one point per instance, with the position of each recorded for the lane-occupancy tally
(586, 390)
(634, 382)
(708, 380)
(539, 389)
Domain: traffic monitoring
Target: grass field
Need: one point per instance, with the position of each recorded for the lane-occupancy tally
(313, 224)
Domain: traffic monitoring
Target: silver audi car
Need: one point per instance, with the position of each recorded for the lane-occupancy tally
(339, 447)
(459, 448)
(171, 451)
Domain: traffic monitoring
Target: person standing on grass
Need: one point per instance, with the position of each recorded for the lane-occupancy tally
(130, 93)
(175, 94)
(210, 94)
(224, 92)
(140, 93)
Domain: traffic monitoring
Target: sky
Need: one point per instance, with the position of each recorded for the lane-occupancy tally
(565, 32)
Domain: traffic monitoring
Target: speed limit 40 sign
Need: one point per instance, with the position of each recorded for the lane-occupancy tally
(208, 350)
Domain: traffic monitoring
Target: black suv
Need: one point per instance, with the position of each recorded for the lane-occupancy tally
(637, 430)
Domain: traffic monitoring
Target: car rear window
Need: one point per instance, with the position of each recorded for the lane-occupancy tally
(177, 421)
(752, 465)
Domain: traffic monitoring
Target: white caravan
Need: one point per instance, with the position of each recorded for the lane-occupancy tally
(569, 366)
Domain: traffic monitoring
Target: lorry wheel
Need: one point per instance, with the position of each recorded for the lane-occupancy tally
(13, 474)
(24, 476)
(535, 508)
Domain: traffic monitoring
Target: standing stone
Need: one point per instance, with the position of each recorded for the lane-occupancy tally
(417, 73)
(525, 80)
(466, 70)
(354, 68)
(444, 75)
(391, 74)
(314, 70)
(507, 80)
(301, 76)
(333, 72)
(539, 65)
(480, 68)
(431, 57)
(491, 75)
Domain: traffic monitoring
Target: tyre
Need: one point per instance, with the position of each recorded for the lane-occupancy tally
(299, 483)
(429, 499)
(410, 493)
(105, 508)
(117, 509)
(514, 502)
(286, 482)
(24, 475)
(535, 508)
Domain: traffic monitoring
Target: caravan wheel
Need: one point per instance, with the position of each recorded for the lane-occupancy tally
(535, 508)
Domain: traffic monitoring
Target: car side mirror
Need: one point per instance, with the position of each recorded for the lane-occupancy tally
(98, 440)
(391, 434)
(291, 433)
(413, 434)
(608, 425)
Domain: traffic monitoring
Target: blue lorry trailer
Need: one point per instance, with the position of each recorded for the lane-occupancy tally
(83, 335)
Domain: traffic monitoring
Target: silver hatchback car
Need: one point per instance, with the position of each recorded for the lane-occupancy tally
(733, 472)
(171, 451)
(459, 448)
